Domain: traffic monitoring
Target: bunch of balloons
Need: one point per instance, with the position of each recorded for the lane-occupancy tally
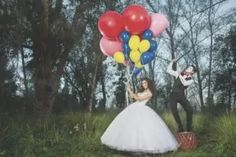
(127, 37)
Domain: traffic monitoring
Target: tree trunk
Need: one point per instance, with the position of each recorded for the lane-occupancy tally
(209, 100)
(91, 104)
(152, 77)
(230, 91)
(200, 89)
(45, 80)
(26, 92)
(46, 86)
(234, 102)
(172, 48)
(24, 73)
(103, 103)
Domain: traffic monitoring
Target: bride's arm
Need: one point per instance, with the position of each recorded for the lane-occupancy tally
(131, 93)
(145, 96)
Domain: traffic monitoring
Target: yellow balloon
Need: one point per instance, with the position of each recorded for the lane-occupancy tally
(119, 57)
(135, 56)
(134, 42)
(144, 46)
(138, 65)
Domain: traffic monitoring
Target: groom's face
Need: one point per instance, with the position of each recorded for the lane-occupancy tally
(189, 70)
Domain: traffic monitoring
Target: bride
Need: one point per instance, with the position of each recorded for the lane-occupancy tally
(138, 128)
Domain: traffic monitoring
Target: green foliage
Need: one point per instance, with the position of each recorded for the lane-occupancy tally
(120, 93)
(78, 135)
(7, 85)
(224, 135)
(225, 60)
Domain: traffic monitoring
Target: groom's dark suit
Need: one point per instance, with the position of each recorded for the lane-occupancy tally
(177, 96)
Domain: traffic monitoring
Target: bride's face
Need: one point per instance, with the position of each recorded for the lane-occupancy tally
(144, 84)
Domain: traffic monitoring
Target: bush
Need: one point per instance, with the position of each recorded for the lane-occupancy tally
(224, 135)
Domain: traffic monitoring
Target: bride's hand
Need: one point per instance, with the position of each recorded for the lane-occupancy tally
(131, 96)
(129, 87)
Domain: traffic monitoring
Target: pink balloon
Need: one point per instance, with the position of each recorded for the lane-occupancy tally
(109, 47)
(158, 24)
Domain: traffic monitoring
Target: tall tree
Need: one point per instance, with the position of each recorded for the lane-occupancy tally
(53, 29)
(225, 61)
(195, 26)
(7, 83)
(211, 13)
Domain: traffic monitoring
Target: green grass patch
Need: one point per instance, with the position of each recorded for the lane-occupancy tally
(78, 135)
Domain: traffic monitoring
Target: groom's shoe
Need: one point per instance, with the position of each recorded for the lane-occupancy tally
(189, 129)
(180, 129)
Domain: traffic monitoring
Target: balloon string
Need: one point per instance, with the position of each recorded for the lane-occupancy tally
(129, 77)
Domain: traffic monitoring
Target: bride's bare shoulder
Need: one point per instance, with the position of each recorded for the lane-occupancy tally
(147, 92)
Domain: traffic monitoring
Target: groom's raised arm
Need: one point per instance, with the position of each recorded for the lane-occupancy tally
(185, 82)
(171, 71)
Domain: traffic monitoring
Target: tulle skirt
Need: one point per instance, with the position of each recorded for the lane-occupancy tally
(139, 129)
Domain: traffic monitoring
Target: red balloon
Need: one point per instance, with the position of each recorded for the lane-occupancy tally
(110, 24)
(136, 19)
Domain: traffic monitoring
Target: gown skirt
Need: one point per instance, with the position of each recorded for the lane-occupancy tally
(138, 128)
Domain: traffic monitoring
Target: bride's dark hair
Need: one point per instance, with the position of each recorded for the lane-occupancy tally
(151, 86)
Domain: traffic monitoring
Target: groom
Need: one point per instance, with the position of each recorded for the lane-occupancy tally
(182, 81)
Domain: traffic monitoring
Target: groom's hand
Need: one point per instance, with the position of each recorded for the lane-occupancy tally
(173, 60)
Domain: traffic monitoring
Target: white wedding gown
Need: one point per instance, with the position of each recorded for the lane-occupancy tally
(139, 129)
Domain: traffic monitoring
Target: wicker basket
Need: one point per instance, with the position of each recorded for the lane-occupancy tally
(187, 140)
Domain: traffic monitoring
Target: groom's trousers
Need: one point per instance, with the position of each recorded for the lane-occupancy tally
(179, 97)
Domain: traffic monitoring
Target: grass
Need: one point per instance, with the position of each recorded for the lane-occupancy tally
(78, 135)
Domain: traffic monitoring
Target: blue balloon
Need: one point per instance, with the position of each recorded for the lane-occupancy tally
(153, 45)
(147, 34)
(151, 55)
(126, 49)
(147, 57)
(125, 36)
(137, 71)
